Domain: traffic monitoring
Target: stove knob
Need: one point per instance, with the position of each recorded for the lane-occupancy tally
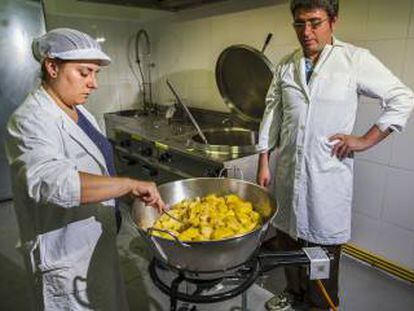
(151, 171)
(125, 143)
(146, 152)
(210, 173)
(165, 157)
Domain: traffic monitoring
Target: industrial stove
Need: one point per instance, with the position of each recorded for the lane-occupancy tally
(207, 288)
(151, 148)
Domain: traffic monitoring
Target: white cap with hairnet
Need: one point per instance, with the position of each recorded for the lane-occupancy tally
(68, 44)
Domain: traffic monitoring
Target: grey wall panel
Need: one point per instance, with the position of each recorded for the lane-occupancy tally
(20, 22)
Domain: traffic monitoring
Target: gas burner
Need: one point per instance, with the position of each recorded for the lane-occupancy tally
(188, 287)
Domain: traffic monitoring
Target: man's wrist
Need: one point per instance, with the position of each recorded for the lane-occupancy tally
(374, 135)
(367, 141)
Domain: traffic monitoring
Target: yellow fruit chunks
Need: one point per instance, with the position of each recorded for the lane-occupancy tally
(209, 218)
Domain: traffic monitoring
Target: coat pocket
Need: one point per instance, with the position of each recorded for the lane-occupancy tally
(323, 161)
(335, 88)
(65, 256)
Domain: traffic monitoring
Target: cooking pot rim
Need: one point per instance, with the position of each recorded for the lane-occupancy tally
(217, 178)
(229, 239)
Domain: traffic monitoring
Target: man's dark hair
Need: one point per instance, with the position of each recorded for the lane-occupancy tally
(330, 6)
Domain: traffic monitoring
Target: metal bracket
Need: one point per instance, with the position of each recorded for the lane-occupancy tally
(319, 263)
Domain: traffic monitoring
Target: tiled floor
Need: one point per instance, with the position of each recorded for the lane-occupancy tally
(362, 287)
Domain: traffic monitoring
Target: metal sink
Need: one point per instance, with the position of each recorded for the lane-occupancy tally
(233, 140)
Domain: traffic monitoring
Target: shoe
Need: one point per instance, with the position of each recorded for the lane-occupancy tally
(282, 302)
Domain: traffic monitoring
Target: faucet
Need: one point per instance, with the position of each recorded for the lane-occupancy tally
(227, 122)
(169, 114)
(145, 65)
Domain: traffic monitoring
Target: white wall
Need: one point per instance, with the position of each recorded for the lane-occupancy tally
(383, 214)
(187, 45)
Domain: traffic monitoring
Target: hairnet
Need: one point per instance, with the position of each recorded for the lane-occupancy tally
(68, 44)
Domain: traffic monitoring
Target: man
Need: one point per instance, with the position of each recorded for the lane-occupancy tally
(310, 113)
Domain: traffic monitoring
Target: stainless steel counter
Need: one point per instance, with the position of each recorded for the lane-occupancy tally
(157, 129)
(162, 146)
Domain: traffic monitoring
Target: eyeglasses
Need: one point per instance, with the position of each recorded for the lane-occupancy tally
(313, 23)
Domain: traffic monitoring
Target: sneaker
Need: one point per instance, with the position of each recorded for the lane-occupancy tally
(282, 302)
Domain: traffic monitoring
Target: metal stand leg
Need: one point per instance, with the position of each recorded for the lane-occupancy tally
(244, 301)
(173, 292)
(173, 304)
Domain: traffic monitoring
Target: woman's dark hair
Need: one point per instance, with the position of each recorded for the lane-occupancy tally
(330, 6)
(43, 72)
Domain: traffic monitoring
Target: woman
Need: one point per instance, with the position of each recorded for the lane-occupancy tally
(64, 184)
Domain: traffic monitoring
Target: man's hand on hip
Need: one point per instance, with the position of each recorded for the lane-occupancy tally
(346, 144)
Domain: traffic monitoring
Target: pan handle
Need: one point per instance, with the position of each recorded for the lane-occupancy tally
(234, 169)
(148, 238)
(268, 38)
(176, 239)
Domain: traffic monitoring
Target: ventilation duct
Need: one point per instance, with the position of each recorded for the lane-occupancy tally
(167, 5)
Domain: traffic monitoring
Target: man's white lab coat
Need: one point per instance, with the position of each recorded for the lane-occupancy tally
(314, 189)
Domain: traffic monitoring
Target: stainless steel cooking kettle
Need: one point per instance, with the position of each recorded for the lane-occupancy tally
(205, 256)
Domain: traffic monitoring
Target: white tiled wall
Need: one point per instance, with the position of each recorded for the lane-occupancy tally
(370, 183)
(388, 19)
(368, 111)
(187, 45)
(399, 198)
(402, 153)
(408, 70)
(395, 243)
(365, 230)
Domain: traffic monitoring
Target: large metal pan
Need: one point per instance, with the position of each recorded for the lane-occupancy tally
(205, 256)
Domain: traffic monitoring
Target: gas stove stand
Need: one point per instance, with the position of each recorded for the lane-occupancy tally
(199, 288)
(214, 287)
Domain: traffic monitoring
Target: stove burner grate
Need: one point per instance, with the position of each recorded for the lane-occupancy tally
(178, 285)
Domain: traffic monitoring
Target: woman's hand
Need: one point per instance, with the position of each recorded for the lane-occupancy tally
(98, 188)
(148, 193)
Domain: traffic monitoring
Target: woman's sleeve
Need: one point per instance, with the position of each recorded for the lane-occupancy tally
(38, 162)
